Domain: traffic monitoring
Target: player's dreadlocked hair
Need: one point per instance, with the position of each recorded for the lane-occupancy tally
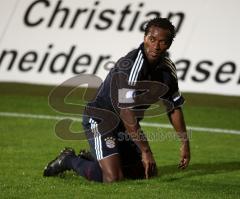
(162, 23)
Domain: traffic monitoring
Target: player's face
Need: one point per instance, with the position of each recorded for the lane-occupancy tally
(156, 43)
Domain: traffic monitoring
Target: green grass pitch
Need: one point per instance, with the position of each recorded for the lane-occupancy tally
(27, 144)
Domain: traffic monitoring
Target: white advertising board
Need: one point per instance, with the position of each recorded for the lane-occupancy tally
(50, 41)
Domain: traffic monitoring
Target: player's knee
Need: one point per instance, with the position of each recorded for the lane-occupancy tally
(110, 177)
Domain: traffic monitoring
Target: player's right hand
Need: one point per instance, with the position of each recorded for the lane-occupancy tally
(185, 155)
(149, 164)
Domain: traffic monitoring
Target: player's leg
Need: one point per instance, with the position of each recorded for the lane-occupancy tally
(89, 169)
(104, 148)
(111, 168)
(107, 169)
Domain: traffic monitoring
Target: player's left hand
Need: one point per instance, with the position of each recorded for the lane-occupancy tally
(184, 155)
(149, 164)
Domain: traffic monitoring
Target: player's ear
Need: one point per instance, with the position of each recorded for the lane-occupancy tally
(169, 44)
(145, 38)
(170, 41)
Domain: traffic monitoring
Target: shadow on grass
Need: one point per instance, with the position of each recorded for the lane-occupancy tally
(197, 170)
(170, 173)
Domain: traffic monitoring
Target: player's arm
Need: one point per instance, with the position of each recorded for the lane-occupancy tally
(176, 115)
(177, 119)
(134, 130)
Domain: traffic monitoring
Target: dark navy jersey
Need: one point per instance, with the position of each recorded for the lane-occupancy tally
(131, 76)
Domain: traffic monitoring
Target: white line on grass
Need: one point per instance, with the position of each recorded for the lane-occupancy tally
(147, 124)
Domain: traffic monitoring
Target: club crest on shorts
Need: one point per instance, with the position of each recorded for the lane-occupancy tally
(110, 142)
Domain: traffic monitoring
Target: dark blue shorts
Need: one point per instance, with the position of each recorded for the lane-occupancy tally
(103, 144)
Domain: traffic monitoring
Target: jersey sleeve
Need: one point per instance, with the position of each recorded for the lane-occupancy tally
(170, 79)
(177, 99)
